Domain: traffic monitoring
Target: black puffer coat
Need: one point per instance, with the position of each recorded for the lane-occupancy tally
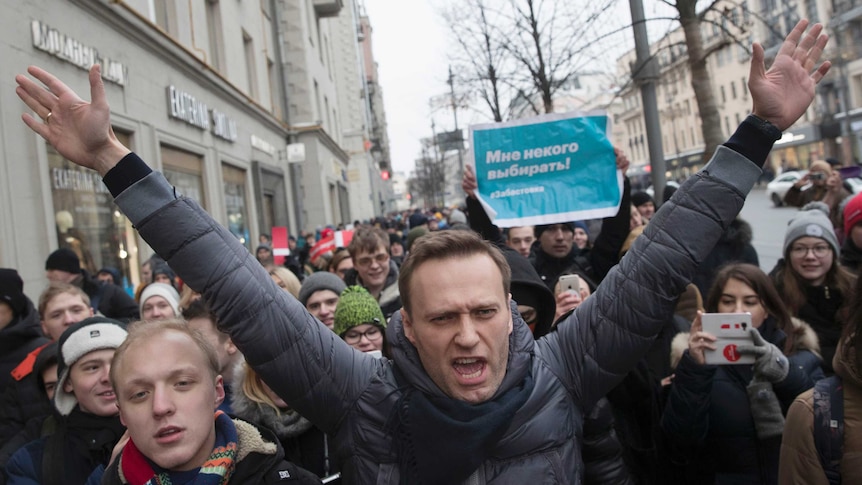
(708, 419)
(352, 395)
(19, 338)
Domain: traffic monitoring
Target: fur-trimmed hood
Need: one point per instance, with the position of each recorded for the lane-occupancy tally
(806, 339)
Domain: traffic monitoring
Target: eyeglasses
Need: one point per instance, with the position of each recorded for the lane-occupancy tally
(372, 334)
(380, 258)
(819, 251)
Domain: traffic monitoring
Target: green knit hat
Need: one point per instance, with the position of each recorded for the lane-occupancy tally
(355, 307)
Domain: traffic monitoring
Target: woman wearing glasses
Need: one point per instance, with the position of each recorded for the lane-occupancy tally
(359, 321)
(809, 279)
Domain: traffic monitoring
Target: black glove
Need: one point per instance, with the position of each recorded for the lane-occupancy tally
(771, 364)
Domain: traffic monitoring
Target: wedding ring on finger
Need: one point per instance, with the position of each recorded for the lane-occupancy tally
(48, 117)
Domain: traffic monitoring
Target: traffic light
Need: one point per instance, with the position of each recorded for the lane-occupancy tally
(384, 174)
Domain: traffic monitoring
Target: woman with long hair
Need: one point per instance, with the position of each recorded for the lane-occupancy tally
(809, 279)
(725, 421)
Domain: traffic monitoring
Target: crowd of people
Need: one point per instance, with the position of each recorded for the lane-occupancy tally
(437, 348)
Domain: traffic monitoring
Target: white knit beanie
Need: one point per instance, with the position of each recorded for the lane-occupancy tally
(164, 290)
(88, 335)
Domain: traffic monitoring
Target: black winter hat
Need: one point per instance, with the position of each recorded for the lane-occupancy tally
(538, 230)
(64, 259)
(418, 219)
(163, 268)
(641, 198)
(12, 291)
(322, 280)
(47, 357)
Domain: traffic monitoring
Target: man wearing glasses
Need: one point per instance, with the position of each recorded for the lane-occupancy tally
(373, 269)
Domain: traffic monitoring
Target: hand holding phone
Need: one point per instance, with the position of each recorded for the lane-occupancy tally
(570, 282)
(731, 330)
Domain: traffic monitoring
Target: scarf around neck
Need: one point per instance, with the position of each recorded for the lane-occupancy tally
(216, 470)
(443, 440)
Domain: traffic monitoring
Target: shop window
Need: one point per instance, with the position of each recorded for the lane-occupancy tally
(89, 223)
(236, 203)
(184, 171)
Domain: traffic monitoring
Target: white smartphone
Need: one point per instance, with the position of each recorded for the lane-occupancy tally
(731, 330)
(570, 282)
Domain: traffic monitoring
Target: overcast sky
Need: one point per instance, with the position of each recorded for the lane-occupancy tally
(410, 43)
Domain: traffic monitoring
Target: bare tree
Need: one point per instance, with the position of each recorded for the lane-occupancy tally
(517, 55)
(481, 58)
(429, 178)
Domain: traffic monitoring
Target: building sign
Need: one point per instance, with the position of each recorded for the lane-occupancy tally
(259, 143)
(223, 127)
(185, 107)
(70, 50)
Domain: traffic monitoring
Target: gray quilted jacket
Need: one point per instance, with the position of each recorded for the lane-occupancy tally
(350, 394)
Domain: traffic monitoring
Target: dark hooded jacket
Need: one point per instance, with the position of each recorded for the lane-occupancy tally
(79, 448)
(528, 289)
(355, 397)
(733, 247)
(38, 409)
(108, 299)
(22, 403)
(17, 340)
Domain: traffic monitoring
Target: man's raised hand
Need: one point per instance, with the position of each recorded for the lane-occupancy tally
(79, 130)
(783, 93)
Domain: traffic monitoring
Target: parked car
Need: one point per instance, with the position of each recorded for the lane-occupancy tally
(779, 186)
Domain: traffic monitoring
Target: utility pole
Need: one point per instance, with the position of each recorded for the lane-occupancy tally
(451, 82)
(645, 73)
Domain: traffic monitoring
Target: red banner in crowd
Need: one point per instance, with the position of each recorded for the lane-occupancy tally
(330, 242)
(280, 248)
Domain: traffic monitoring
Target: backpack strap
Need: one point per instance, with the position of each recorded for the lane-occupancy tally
(829, 426)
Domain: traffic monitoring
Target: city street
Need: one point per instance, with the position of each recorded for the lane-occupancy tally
(768, 224)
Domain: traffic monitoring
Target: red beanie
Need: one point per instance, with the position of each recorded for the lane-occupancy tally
(852, 214)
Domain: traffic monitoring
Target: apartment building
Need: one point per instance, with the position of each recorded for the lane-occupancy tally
(240, 108)
(729, 32)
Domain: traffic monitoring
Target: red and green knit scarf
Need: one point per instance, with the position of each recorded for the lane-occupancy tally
(216, 470)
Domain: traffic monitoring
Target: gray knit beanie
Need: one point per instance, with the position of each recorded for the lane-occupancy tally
(813, 221)
(322, 280)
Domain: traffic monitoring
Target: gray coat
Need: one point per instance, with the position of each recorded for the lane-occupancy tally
(350, 395)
